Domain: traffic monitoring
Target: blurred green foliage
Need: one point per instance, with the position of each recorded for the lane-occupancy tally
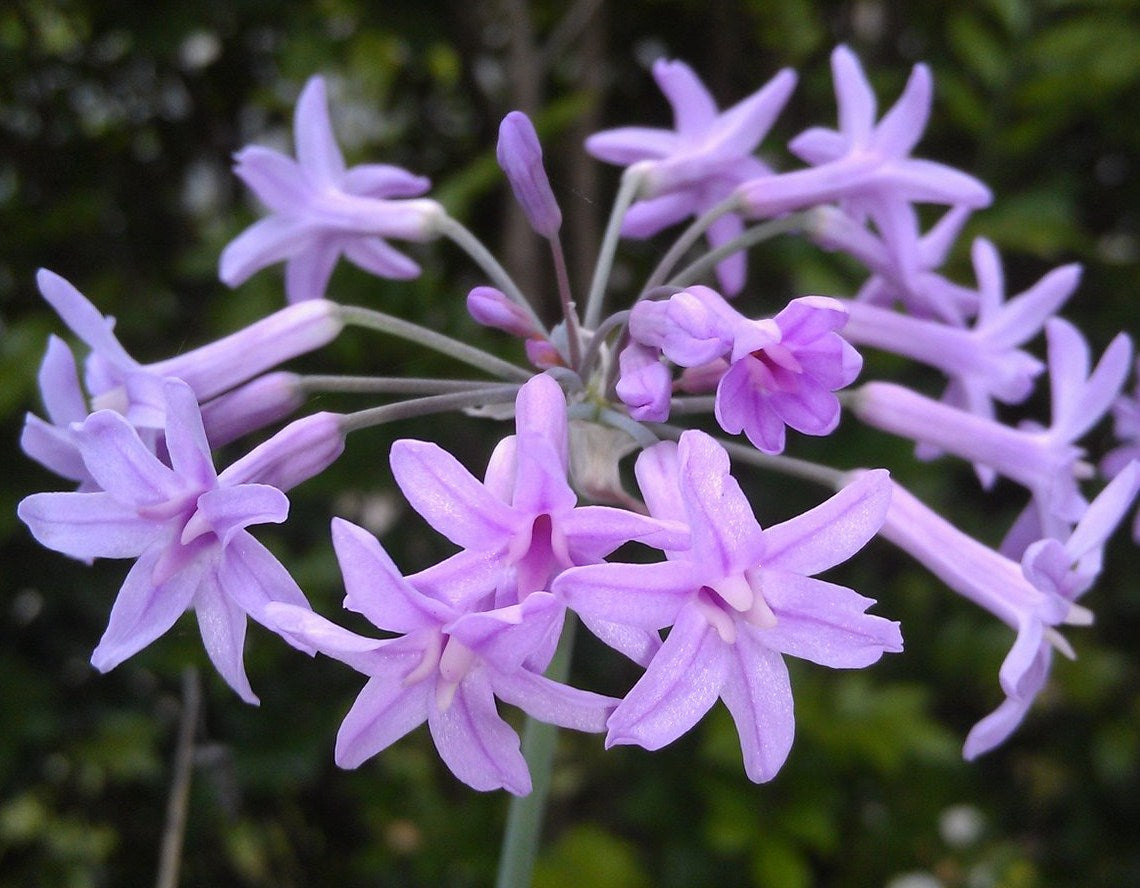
(117, 120)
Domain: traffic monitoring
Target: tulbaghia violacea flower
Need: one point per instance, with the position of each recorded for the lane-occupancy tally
(520, 157)
(983, 362)
(866, 166)
(491, 308)
(186, 526)
(1046, 461)
(116, 381)
(522, 525)
(450, 663)
(737, 599)
(322, 209)
(698, 163)
(1032, 597)
(1126, 416)
(769, 373)
(903, 272)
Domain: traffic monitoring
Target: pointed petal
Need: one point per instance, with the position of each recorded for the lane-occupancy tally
(384, 181)
(59, 384)
(121, 464)
(680, 686)
(449, 498)
(554, 703)
(540, 410)
(227, 511)
(902, 126)
(758, 693)
(831, 532)
(725, 534)
(83, 318)
(1104, 512)
(1016, 669)
(308, 270)
(647, 217)
(824, 623)
(142, 611)
(185, 436)
(53, 447)
(222, 624)
(479, 747)
(507, 636)
(375, 586)
(87, 525)
(732, 270)
(461, 581)
(996, 727)
(693, 106)
(593, 532)
(316, 633)
(266, 242)
(384, 711)
(853, 95)
(377, 256)
(629, 144)
(317, 150)
(1021, 318)
(647, 596)
(640, 645)
(739, 129)
(278, 181)
(252, 577)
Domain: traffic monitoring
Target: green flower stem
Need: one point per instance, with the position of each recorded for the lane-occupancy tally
(631, 181)
(383, 385)
(525, 815)
(751, 237)
(688, 237)
(374, 416)
(454, 231)
(461, 351)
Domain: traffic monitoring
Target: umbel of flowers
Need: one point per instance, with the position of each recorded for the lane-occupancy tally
(699, 385)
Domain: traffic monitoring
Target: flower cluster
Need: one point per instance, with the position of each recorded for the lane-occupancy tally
(676, 575)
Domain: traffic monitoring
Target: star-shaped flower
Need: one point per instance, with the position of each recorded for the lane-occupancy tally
(186, 526)
(737, 599)
(864, 165)
(321, 209)
(698, 163)
(447, 668)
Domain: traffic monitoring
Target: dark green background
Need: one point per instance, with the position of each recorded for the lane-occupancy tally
(117, 120)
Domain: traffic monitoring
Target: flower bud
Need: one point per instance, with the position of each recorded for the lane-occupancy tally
(520, 157)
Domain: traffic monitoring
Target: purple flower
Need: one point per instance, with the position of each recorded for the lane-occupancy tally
(779, 371)
(1046, 461)
(186, 526)
(1032, 598)
(698, 163)
(447, 668)
(321, 209)
(522, 525)
(904, 270)
(491, 308)
(984, 361)
(865, 165)
(738, 599)
(789, 382)
(116, 381)
(520, 157)
(1126, 415)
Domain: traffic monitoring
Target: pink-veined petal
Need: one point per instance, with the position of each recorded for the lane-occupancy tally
(142, 611)
(385, 710)
(222, 624)
(757, 692)
(87, 525)
(680, 686)
(833, 531)
(479, 747)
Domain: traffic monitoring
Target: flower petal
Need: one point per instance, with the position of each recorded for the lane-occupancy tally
(479, 747)
(554, 703)
(680, 686)
(757, 692)
(87, 525)
(384, 711)
(222, 624)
